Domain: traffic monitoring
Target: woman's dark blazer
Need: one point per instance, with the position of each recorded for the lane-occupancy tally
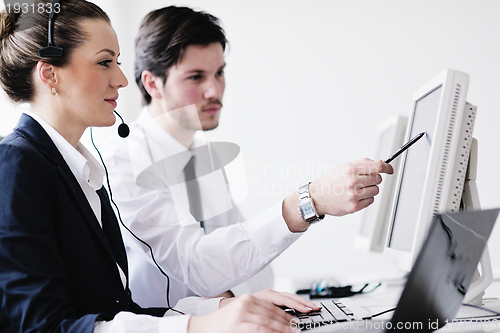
(58, 268)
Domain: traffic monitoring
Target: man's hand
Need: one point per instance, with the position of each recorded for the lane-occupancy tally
(252, 313)
(291, 301)
(348, 188)
(243, 314)
(281, 299)
(344, 190)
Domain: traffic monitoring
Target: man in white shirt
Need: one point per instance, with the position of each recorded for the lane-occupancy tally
(180, 71)
(169, 204)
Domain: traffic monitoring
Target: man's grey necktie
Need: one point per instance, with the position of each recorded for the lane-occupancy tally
(193, 191)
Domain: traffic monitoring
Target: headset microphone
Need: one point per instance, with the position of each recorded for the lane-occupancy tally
(123, 129)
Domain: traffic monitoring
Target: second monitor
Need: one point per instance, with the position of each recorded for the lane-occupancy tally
(375, 218)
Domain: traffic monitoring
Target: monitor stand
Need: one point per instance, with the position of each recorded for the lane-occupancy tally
(470, 201)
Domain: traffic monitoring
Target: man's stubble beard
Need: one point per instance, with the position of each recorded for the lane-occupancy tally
(184, 121)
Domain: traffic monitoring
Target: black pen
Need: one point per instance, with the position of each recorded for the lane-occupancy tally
(404, 147)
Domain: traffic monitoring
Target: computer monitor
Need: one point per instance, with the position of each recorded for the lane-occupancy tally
(433, 170)
(375, 219)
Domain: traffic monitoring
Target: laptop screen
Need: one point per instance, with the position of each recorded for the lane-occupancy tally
(443, 271)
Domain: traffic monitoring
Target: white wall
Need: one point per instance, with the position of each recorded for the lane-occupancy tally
(308, 82)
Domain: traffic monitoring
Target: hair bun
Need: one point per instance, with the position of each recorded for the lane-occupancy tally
(7, 23)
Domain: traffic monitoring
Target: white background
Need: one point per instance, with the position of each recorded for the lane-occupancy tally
(308, 82)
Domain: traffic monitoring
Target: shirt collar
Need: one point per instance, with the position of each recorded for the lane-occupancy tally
(81, 162)
(163, 144)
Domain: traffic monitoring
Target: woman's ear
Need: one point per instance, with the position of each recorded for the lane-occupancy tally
(153, 84)
(45, 74)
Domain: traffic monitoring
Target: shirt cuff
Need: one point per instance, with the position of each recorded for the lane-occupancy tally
(127, 322)
(207, 306)
(270, 234)
(174, 324)
(196, 306)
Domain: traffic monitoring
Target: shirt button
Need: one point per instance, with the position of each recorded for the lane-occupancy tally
(288, 239)
(245, 277)
(275, 248)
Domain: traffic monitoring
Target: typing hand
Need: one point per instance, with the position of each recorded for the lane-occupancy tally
(287, 300)
(246, 313)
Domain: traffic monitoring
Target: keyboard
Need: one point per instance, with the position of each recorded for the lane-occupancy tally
(332, 312)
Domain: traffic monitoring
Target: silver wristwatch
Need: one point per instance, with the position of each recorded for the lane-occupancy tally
(306, 206)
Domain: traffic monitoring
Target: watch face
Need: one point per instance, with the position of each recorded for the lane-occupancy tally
(307, 209)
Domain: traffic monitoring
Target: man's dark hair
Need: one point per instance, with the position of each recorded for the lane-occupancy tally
(164, 35)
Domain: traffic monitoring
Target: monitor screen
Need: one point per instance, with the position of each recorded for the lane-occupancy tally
(410, 192)
(433, 170)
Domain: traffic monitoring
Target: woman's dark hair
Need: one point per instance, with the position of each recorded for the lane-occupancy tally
(22, 35)
(164, 35)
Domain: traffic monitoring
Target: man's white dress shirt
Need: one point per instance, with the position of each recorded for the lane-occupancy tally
(146, 176)
(89, 174)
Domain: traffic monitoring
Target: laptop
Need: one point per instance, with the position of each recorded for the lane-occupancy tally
(436, 285)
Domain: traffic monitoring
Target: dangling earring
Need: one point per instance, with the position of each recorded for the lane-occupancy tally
(53, 92)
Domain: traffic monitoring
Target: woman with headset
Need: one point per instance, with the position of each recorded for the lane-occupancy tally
(63, 266)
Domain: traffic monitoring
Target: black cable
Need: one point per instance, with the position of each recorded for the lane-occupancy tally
(130, 231)
(495, 313)
(383, 312)
(481, 308)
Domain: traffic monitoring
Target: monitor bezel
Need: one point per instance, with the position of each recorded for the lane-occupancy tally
(449, 81)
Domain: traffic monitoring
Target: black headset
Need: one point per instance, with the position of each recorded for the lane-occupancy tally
(51, 51)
